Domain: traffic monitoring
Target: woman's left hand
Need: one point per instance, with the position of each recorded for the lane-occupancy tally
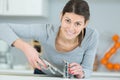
(76, 69)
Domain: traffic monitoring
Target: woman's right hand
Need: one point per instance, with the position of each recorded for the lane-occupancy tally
(31, 54)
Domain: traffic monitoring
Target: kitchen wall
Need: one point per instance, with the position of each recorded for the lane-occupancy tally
(104, 17)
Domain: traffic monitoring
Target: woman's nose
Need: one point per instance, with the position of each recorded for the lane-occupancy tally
(71, 27)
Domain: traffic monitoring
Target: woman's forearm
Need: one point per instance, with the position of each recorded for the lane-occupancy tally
(20, 44)
(30, 52)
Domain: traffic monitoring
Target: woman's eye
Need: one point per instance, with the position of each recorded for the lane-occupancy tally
(67, 20)
(77, 24)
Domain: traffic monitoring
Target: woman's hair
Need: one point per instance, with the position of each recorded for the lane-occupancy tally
(79, 7)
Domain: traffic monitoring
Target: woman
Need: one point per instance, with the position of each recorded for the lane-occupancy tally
(71, 41)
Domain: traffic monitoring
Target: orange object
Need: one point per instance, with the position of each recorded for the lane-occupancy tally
(117, 45)
(116, 67)
(115, 38)
(109, 66)
(107, 56)
(112, 50)
(104, 61)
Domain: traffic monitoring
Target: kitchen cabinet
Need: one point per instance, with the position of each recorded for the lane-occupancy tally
(1, 7)
(24, 8)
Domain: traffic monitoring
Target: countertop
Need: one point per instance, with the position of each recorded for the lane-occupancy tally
(16, 77)
(28, 75)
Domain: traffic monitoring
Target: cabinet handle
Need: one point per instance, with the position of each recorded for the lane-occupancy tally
(7, 5)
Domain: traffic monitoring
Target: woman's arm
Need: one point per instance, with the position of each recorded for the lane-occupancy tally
(12, 34)
(89, 56)
(30, 52)
(85, 68)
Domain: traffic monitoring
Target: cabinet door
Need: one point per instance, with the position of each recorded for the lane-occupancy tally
(26, 7)
(1, 6)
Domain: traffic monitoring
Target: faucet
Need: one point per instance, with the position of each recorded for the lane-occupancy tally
(53, 69)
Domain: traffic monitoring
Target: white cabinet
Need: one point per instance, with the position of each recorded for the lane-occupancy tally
(1, 6)
(24, 7)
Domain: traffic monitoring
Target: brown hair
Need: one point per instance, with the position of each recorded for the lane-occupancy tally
(79, 7)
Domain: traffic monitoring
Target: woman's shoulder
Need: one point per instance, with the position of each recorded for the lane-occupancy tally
(91, 35)
(51, 28)
(92, 31)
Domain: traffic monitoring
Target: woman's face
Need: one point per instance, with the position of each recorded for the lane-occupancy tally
(71, 25)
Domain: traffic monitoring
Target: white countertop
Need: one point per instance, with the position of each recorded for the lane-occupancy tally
(28, 75)
(16, 72)
(30, 72)
(7, 77)
(14, 77)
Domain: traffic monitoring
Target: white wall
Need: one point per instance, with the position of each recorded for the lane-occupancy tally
(104, 17)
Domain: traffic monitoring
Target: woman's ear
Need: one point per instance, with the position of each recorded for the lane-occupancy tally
(86, 23)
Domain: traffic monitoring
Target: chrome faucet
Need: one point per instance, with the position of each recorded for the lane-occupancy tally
(53, 69)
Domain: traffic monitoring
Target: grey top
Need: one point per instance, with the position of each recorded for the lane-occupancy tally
(46, 34)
